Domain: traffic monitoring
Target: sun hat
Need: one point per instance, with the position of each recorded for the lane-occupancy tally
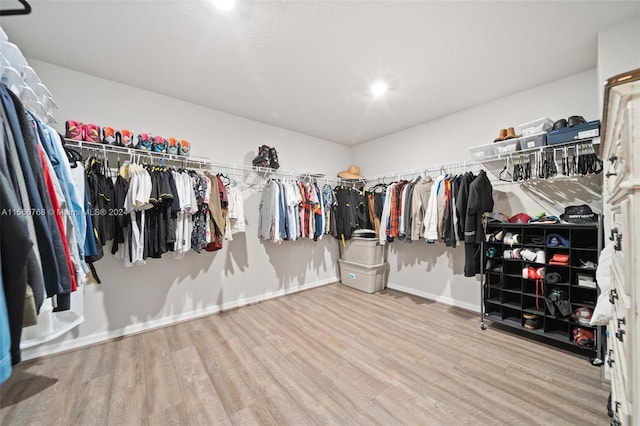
(353, 172)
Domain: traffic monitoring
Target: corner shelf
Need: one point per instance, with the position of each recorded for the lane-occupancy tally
(504, 155)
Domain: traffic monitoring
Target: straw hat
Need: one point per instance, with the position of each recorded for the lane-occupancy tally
(353, 172)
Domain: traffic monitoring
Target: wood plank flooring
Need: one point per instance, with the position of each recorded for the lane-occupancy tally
(331, 355)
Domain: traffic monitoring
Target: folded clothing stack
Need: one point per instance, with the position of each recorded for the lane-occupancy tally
(560, 259)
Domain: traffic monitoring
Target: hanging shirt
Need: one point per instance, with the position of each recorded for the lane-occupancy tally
(236, 210)
(407, 218)
(121, 221)
(187, 206)
(16, 145)
(419, 202)
(431, 216)
(52, 144)
(291, 199)
(319, 213)
(58, 205)
(328, 201)
(305, 210)
(267, 211)
(386, 213)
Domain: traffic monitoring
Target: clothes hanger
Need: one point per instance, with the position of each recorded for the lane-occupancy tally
(225, 179)
(231, 181)
(13, 12)
(73, 156)
(508, 177)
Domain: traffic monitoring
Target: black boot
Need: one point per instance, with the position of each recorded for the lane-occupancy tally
(273, 158)
(262, 159)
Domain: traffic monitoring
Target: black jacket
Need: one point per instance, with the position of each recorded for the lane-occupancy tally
(480, 201)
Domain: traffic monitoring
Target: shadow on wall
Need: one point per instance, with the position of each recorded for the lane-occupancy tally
(420, 252)
(456, 259)
(550, 195)
(237, 258)
(504, 203)
(137, 294)
(291, 259)
(573, 191)
(416, 253)
(442, 273)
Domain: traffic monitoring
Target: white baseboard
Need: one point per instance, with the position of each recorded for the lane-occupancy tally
(435, 297)
(96, 338)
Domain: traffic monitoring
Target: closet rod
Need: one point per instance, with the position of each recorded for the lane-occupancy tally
(441, 168)
(232, 168)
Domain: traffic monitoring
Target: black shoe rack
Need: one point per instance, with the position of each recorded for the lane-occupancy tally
(512, 299)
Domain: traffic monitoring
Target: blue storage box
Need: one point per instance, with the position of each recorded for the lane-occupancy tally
(569, 134)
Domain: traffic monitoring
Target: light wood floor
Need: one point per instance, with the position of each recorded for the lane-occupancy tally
(331, 355)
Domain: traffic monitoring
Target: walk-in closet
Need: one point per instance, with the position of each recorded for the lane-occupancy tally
(235, 212)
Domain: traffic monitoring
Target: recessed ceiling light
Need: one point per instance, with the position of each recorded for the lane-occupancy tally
(379, 88)
(224, 4)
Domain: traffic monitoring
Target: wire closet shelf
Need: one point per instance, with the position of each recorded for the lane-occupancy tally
(161, 158)
(455, 167)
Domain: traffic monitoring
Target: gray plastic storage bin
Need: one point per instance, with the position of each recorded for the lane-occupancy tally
(533, 141)
(364, 251)
(504, 147)
(536, 126)
(369, 279)
(480, 152)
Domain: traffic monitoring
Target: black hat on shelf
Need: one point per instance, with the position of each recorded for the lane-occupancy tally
(579, 214)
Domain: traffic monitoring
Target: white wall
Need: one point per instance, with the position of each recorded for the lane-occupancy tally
(433, 270)
(447, 139)
(618, 51)
(246, 269)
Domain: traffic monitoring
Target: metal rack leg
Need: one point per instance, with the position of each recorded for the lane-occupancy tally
(483, 279)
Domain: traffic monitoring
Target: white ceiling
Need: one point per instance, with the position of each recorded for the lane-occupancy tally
(307, 65)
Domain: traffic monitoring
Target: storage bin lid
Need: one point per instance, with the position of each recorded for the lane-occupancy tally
(364, 233)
